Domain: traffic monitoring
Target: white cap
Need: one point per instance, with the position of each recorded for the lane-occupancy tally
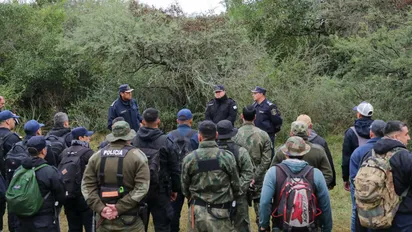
(364, 108)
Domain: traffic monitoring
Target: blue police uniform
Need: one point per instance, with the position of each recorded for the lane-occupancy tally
(267, 117)
(129, 110)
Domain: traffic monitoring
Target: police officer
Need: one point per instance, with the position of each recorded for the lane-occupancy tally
(221, 107)
(153, 142)
(116, 179)
(125, 106)
(267, 114)
(205, 171)
(50, 183)
(258, 144)
(187, 140)
(61, 128)
(245, 168)
(7, 140)
(77, 212)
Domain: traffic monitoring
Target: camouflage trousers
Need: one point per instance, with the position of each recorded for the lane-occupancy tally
(118, 225)
(242, 222)
(205, 222)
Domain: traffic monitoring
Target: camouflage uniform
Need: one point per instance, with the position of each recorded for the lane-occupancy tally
(136, 178)
(316, 157)
(245, 169)
(259, 146)
(214, 187)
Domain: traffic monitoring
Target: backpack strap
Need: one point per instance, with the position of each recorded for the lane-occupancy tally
(40, 167)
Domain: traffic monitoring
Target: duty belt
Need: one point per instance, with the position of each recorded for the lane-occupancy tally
(200, 202)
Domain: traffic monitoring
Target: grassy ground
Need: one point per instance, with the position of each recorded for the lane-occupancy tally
(340, 199)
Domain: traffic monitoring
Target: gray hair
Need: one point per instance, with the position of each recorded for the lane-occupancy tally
(60, 118)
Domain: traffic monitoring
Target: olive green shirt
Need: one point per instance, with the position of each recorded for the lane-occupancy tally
(136, 178)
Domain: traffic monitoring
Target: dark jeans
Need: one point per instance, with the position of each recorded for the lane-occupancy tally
(2, 211)
(272, 138)
(78, 215)
(177, 208)
(162, 212)
(13, 221)
(43, 223)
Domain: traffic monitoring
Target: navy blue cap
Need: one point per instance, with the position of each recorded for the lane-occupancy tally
(207, 127)
(125, 88)
(32, 126)
(81, 132)
(37, 142)
(7, 114)
(219, 88)
(259, 89)
(184, 114)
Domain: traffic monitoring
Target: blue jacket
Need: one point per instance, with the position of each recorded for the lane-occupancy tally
(358, 155)
(128, 110)
(350, 143)
(184, 130)
(322, 194)
(268, 117)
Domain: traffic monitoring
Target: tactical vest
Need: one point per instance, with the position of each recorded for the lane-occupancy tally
(111, 193)
(209, 164)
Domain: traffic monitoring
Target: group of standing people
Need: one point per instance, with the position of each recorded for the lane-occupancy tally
(220, 170)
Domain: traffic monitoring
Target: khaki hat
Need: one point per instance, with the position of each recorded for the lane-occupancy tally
(295, 146)
(299, 128)
(304, 118)
(121, 131)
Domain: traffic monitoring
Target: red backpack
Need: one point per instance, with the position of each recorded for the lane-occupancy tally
(295, 204)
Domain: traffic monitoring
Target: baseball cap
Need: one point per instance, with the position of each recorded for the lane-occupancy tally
(125, 88)
(36, 142)
(219, 88)
(364, 108)
(7, 114)
(304, 118)
(295, 146)
(32, 126)
(225, 129)
(184, 114)
(207, 127)
(121, 131)
(81, 132)
(377, 127)
(259, 89)
(299, 128)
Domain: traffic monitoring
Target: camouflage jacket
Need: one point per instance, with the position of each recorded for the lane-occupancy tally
(243, 162)
(217, 186)
(136, 178)
(258, 144)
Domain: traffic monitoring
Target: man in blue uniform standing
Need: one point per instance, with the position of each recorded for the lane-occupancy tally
(125, 106)
(267, 114)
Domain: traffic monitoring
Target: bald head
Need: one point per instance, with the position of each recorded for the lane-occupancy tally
(2, 102)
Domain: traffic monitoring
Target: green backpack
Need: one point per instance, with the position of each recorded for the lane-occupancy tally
(23, 194)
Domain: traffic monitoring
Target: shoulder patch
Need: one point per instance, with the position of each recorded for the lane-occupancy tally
(235, 107)
(274, 112)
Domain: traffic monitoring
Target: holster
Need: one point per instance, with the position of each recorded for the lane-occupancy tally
(143, 214)
(233, 211)
(249, 197)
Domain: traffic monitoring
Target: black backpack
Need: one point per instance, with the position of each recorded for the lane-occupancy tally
(71, 170)
(232, 147)
(3, 153)
(153, 156)
(56, 147)
(183, 143)
(15, 158)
